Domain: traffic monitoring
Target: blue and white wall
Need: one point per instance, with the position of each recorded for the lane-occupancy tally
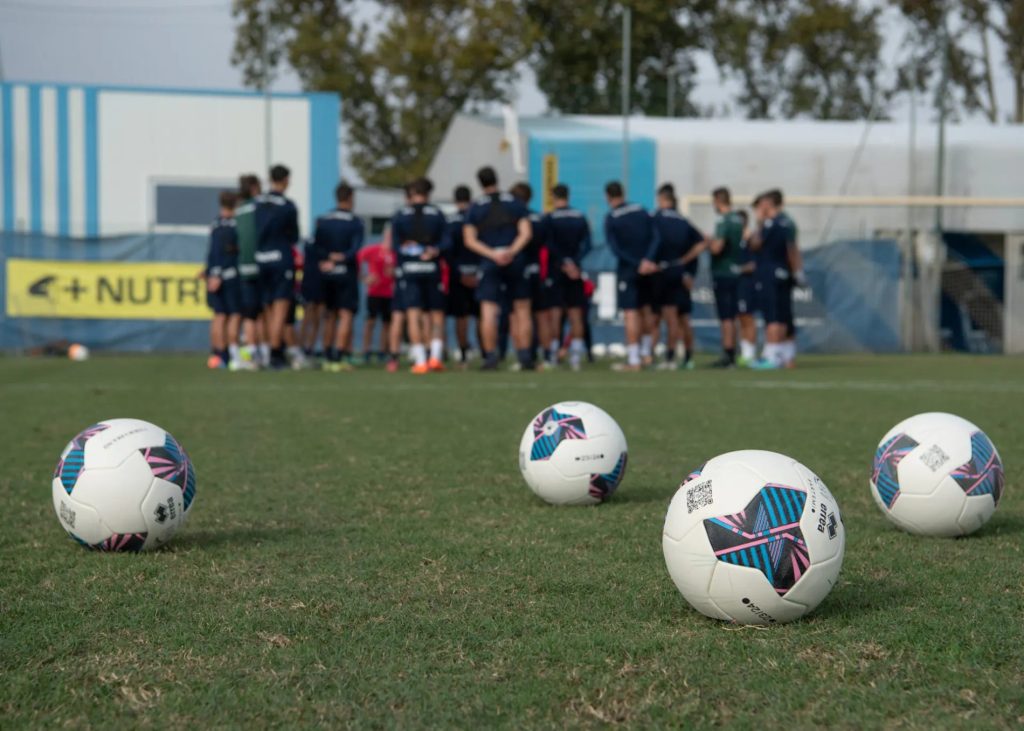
(82, 161)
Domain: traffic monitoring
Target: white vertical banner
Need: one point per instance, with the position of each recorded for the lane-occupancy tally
(512, 138)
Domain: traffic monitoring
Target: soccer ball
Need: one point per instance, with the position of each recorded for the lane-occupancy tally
(78, 352)
(937, 475)
(753, 537)
(123, 485)
(573, 453)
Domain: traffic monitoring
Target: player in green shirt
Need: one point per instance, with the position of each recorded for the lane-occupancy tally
(249, 271)
(725, 249)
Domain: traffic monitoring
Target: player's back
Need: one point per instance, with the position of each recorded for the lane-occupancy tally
(633, 230)
(339, 232)
(776, 235)
(729, 229)
(458, 253)
(245, 231)
(414, 228)
(568, 234)
(277, 228)
(496, 218)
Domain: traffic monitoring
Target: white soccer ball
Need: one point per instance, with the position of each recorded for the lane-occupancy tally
(123, 485)
(937, 475)
(78, 352)
(753, 537)
(573, 453)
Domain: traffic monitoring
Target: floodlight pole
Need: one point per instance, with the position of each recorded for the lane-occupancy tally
(268, 142)
(627, 83)
(940, 157)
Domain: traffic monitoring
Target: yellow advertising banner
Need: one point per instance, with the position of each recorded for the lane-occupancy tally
(105, 290)
(549, 179)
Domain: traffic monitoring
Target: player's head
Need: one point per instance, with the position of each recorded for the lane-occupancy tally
(462, 196)
(560, 194)
(762, 206)
(249, 186)
(279, 178)
(228, 199)
(487, 178)
(419, 190)
(775, 196)
(345, 195)
(721, 199)
(522, 192)
(614, 192)
(667, 196)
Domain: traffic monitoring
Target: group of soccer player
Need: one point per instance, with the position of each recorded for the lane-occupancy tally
(516, 272)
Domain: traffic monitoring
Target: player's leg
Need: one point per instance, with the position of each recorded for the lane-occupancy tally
(384, 338)
(726, 305)
(684, 305)
(632, 320)
(669, 313)
(434, 321)
(414, 322)
(577, 329)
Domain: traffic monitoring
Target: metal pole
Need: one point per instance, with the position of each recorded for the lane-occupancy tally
(940, 164)
(268, 143)
(907, 270)
(670, 92)
(627, 83)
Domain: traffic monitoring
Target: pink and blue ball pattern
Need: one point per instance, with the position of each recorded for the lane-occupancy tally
(171, 463)
(550, 429)
(603, 485)
(983, 473)
(70, 466)
(765, 535)
(884, 471)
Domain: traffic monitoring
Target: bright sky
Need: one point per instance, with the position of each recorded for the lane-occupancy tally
(187, 43)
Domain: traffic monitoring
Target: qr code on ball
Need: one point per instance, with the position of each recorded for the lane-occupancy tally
(934, 457)
(698, 496)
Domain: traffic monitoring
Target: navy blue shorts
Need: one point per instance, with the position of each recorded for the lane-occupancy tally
(276, 283)
(634, 292)
(726, 289)
(746, 295)
(312, 287)
(379, 308)
(250, 299)
(571, 292)
(669, 290)
(777, 302)
(461, 299)
(227, 299)
(341, 293)
(503, 284)
(545, 293)
(423, 292)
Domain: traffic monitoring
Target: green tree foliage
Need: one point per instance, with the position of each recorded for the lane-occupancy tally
(577, 56)
(957, 34)
(402, 78)
(812, 58)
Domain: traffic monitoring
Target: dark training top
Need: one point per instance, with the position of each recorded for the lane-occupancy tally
(222, 257)
(460, 258)
(677, 236)
(414, 228)
(568, 236)
(496, 218)
(277, 229)
(777, 235)
(631, 234)
(338, 232)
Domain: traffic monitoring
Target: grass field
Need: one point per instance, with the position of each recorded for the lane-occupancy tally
(363, 552)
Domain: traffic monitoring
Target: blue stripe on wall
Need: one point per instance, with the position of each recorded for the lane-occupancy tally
(35, 152)
(92, 173)
(324, 118)
(63, 165)
(8, 161)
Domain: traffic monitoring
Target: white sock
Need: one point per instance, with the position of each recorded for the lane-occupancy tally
(294, 351)
(418, 353)
(788, 352)
(436, 348)
(748, 350)
(646, 343)
(233, 353)
(553, 350)
(264, 351)
(773, 353)
(633, 354)
(576, 351)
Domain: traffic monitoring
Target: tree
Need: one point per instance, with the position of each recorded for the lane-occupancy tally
(402, 79)
(955, 34)
(577, 59)
(818, 58)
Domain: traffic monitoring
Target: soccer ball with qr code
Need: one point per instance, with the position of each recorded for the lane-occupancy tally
(753, 537)
(937, 475)
(123, 485)
(573, 453)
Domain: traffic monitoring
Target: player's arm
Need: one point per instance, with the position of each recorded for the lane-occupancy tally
(586, 244)
(214, 260)
(474, 244)
(698, 244)
(716, 244)
(796, 263)
(648, 265)
(444, 242)
(524, 234)
(613, 243)
(355, 243)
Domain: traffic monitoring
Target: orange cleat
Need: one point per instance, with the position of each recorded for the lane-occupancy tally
(435, 365)
(420, 369)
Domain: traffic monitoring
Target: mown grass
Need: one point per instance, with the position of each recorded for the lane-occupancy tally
(363, 553)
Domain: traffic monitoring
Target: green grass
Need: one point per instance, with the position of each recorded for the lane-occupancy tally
(363, 552)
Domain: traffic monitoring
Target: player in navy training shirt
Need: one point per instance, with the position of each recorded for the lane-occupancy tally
(498, 229)
(779, 267)
(463, 274)
(223, 294)
(419, 234)
(680, 243)
(336, 243)
(568, 242)
(633, 239)
(277, 231)
(542, 300)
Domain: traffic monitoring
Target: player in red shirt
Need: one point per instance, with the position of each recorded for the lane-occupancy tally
(377, 271)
